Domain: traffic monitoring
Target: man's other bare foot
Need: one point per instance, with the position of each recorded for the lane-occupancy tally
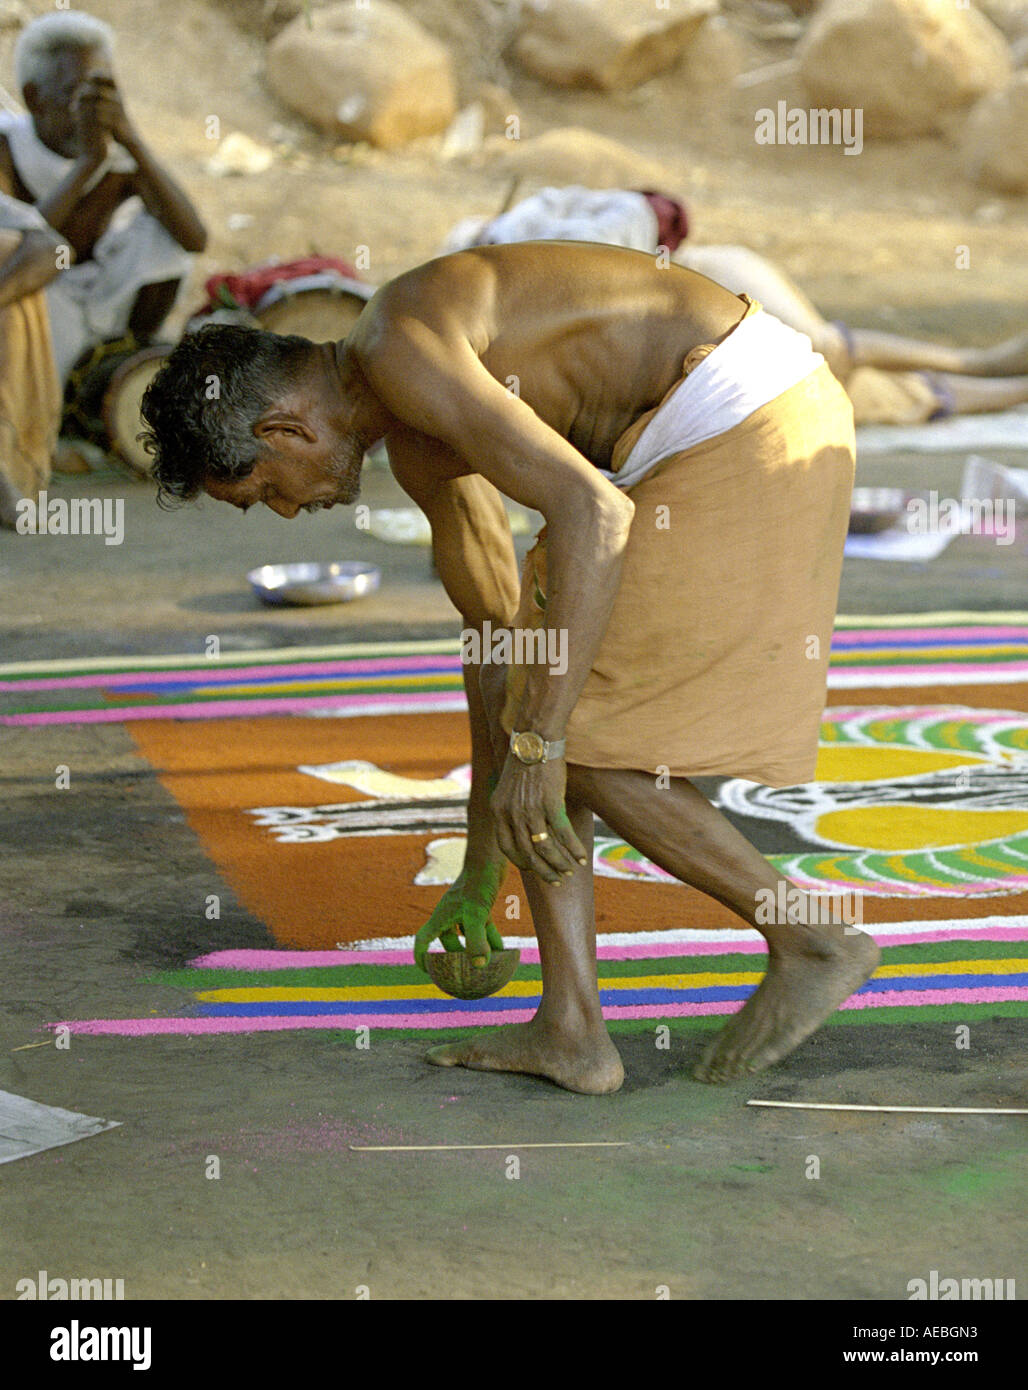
(580, 1059)
(799, 991)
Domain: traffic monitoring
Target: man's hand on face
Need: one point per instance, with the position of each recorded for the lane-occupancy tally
(532, 825)
(93, 137)
(101, 113)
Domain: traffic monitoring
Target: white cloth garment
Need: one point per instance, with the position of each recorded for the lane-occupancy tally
(759, 360)
(91, 301)
(614, 216)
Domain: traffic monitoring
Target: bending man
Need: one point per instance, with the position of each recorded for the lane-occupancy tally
(693, 459)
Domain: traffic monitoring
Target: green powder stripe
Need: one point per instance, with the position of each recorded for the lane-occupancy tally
(323, 977)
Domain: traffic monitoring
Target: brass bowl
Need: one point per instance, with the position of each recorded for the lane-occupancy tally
(455, 975)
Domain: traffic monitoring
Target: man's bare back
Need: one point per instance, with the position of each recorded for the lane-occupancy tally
(590, 336)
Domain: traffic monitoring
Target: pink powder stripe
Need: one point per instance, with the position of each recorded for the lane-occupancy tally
(840, 714)
(886, 636)
(985, 994)
(305, 960)
(143, 1027)
(226, 709)
(213, 673)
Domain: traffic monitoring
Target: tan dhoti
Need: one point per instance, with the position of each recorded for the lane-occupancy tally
(30, 396)
(715, 659)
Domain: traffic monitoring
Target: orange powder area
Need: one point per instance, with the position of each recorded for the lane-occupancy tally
(313, 895)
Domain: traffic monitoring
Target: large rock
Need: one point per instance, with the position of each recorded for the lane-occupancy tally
(364, 74)
(996, 138)
(1009, 16)
(905, 63)
(605, 44)
(572, 155)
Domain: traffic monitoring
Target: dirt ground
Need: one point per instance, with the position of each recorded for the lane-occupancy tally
(707, 1199)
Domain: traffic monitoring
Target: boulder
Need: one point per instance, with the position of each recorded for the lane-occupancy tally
(905, 63)
(995, 143)
(364, 74)
(571, 155)
(611, 45)
(1009, 16)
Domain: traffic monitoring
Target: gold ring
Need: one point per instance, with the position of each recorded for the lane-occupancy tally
(543, 835)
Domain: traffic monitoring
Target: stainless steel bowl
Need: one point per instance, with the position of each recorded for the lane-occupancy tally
(876, 509)
(338, 582)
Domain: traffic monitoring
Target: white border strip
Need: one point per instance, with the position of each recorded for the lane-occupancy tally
(686, 936)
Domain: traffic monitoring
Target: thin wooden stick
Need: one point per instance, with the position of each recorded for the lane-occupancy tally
(421, 1148)
(892, 1109)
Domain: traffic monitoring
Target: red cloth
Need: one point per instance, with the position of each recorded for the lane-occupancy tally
(247, 288)
(672, 219)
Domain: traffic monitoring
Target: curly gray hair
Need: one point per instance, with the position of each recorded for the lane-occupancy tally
(51, 34)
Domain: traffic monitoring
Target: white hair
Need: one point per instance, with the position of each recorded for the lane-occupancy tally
(50, 34)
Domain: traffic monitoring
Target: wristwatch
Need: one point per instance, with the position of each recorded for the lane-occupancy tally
(530, 748)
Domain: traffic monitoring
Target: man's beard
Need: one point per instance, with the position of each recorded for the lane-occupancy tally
(344, 469)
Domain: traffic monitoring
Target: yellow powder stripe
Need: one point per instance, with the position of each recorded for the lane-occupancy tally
(329, 684)
(297, 993)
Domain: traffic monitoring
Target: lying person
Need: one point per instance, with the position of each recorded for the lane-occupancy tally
(79, 264)
(890, 379)
(693, 459)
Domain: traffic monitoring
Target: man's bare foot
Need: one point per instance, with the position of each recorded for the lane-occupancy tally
(579, 1060)
(796, 995)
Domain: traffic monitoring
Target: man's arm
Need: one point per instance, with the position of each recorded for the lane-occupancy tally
(31, 265)
(432, 378)
(164, 199)
(474, 557)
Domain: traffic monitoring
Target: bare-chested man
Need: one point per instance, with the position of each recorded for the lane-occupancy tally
(693, 459)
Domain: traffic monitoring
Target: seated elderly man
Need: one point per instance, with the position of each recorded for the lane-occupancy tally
(693, 459)
(79, 262)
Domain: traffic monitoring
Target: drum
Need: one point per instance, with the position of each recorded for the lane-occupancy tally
(122, 400)
(323, 307)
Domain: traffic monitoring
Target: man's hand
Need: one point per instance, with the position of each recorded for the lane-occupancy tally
(99, 107)
(93, 135)
(466, 906)
(532, 825)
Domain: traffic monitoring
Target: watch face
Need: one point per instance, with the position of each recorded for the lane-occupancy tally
(528, 748)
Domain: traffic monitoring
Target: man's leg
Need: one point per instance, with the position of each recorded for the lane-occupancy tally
(567, 1039)
(811, 969)
(972, 395)
(870, 348)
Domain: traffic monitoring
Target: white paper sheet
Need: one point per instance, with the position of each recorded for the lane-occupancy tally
(1000, 429)
(28, 1127)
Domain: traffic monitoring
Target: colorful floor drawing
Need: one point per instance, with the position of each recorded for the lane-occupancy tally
(335, 832)
(954, 971)
(354, 680)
